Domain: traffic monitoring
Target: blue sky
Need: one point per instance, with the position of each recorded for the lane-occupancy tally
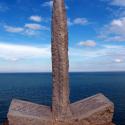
(96, 35)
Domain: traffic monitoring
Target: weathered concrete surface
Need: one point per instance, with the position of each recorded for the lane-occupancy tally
(26, 113)
(60, 62)
(95, 110)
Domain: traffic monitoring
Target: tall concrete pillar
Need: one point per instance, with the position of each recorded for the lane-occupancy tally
(60, 62)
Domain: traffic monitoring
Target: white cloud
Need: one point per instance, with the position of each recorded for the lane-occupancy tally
(26, 58)
(13, 52)
(114, 31)
(118, 60)
(88, 43)
(36, 18)
(20, 30)
(13, 29)
(113, 47)
(117, 22)
(48, 4)
(80, 21)
(108, 52)
(77, 21)
(118, 2)
(35, 26)
(29, 29)
(105, 58)
(30, 32)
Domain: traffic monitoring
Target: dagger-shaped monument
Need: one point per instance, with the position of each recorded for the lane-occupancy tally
(95, 110)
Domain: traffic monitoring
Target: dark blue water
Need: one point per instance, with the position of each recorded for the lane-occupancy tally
(36, 87)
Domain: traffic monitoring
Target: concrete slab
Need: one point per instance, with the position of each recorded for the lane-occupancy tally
(95, 110)
(27, 113)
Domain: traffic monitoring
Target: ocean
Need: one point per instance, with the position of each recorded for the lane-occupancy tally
(36, 87)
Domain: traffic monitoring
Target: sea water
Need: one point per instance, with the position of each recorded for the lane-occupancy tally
(37, 87)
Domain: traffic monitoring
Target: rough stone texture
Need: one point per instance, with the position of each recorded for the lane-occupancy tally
(95, 110)
(26, 113)
(60, 62)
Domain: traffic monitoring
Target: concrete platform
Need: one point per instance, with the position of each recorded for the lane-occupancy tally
(27, 113)
(95, 110)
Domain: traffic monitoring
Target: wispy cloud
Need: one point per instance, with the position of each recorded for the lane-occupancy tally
(114, 31)
(118, 3)
(104, 58)
(113, 4)
(81, 21)
(93, 59)
(48, 4)
(13, 52)
(30, 32)
(33, 26)
(77, 21)
(13, 29)
(29, 29)
(36, 18)
(118, 60)
(87, 43)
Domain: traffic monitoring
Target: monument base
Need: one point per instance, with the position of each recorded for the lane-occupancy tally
(95, 110)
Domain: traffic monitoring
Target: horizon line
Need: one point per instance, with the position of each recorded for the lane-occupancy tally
(69, 72)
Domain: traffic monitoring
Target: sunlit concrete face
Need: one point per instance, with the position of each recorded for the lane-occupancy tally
(95, 110)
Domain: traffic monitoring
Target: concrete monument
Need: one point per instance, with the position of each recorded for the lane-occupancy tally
(95, 110)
